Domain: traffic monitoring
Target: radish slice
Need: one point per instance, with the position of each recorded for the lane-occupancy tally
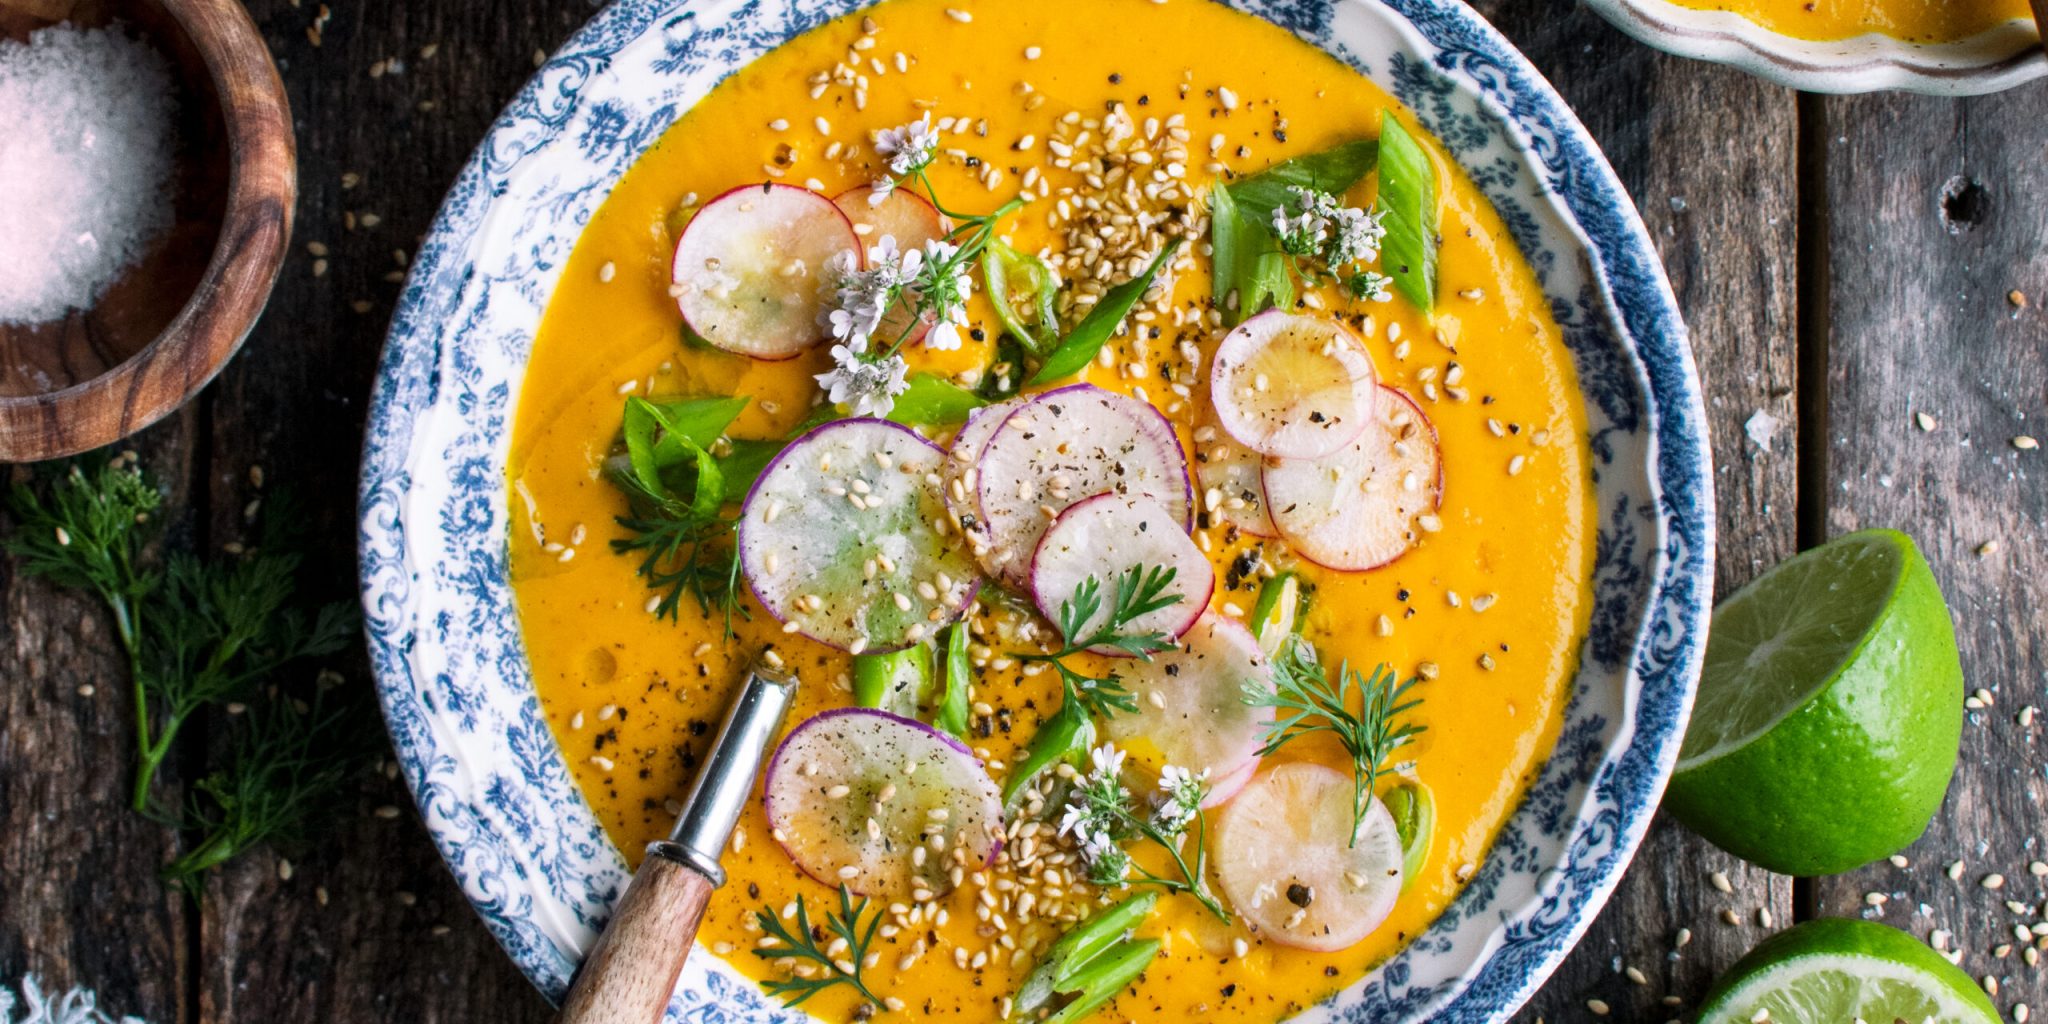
(1191, 707)
(1293, 387)
(841, 536)
(1357, 509)
(911, 221)
(1106, 536)
(750, 269)
(1233, 481)
(1065, 445)
(964, 456)
(852, 793)
(1285, 857)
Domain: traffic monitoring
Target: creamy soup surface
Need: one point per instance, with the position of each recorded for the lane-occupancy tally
(1916, 21)
(1158, 100)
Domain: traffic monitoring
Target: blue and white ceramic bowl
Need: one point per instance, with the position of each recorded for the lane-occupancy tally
(457, 691)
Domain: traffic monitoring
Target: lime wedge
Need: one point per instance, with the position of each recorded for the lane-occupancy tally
(1836, 971)
(1829, 710)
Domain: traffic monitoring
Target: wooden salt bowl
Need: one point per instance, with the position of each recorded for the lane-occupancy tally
(170, 322)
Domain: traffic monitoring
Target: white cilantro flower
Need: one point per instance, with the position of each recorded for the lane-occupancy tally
(909, 148)
(866, 384)
(1371, 285)
(1181, 793)
(942, 287)
(1355, 238)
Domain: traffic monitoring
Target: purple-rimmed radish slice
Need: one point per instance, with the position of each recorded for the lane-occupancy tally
(1105, 537)
(1285, 855)
(963, 458)
(1191, 708)
(909, 221)
(1294, 387)
(1233, 482)
(1065, 445)
(1359, 508)
(853, 794)
(751, 268)
(841, 537)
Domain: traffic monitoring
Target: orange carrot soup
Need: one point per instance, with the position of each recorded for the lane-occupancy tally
(1157, 463)
(1915, 21)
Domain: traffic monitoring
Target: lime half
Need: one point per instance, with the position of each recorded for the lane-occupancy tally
(1838, 971)
(1829, 710)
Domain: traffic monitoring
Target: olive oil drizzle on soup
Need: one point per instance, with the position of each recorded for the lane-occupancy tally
(1490, 608)
(1915, 21)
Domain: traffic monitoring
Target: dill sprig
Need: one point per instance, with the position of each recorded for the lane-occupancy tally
(683, 552)
(286, 765)
(802, 943)
(197, 635)
(1140, 590)
(1308, 704)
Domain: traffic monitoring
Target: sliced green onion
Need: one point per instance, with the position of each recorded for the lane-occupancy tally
(1278, 611)
(1078, 348)
(1067, 734)
(1408, 199)
(897, 682)
(951, 715)
(1105, 978)
(1413, 806)
(1021, 287)
(1069, 964)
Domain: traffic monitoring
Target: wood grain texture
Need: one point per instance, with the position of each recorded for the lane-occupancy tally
(394, 939)
(630, 974)
(1936, 212)
(168, 326)
(1709, 156)
(80, 902)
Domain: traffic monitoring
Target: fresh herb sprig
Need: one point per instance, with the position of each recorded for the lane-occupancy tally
(1102, 816)
(200, 635)
(1308, 703)
(1140, 590)
(1069, 731)
(801, 943)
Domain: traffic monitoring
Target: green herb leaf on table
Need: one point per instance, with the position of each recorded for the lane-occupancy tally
(801, 943)
(1408, 199)
(1021, 287)
(199, 635)
(1307, 703)
(1079, 347)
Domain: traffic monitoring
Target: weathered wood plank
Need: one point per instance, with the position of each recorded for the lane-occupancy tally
(1726, 227)
(80, 902)
(1937, 209)
(370, 926)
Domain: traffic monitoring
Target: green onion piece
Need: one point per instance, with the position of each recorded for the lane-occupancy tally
(1109, 975)
(1075, 951)
(951, 715)
(1333, 170)
(1078, 349)
(1278, 611)
(1413, 806)
(934, 401)
(1021, 288)
(1408, 198)
(1067, 734)
(896, 682)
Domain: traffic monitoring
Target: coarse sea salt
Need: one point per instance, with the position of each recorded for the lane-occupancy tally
(85, 156)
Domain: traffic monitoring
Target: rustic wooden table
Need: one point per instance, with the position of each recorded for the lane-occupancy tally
(1846, 265)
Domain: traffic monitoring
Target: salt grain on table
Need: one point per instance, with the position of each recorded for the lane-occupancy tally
(85, 155)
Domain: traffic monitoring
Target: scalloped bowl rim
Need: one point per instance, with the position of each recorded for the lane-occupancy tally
(1991, 61)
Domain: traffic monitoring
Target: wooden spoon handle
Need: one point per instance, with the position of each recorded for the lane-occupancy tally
(632, 971)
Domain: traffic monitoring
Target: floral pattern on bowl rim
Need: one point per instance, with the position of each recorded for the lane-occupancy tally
(458, 697)
(1991, 61)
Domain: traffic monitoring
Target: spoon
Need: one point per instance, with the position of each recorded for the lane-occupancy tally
(631, 972)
